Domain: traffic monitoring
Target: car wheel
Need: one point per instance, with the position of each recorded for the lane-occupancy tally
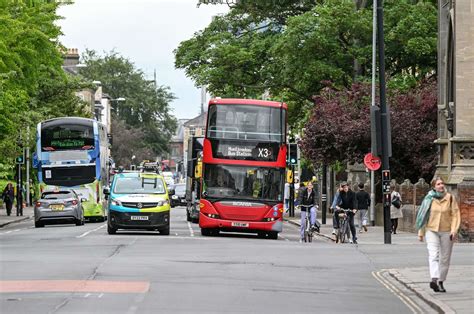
(39, 224)
(111, 230)
(101, 219)
(79, 222)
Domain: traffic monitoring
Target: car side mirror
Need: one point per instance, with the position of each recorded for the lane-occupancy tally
(83, 200)
(106, 191)
(171, 192)
(204, 194)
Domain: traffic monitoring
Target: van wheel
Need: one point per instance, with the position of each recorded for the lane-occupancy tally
(111, 230)
(165, 231)
(39, 224)
(101, 219)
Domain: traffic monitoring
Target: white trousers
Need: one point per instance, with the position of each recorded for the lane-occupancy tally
(440, 247)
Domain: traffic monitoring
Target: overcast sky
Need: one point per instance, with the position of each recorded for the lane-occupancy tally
(146, 32)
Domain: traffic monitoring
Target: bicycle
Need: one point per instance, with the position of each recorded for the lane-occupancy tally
(343, 232)
(308, 230)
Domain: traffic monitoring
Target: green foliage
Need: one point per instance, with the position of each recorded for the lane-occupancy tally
(146, 108)
(294, 48)
(33, 85)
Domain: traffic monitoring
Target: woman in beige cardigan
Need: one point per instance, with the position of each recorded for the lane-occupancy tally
(440, 232)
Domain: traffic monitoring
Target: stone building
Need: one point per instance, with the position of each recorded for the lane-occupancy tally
(456, 104)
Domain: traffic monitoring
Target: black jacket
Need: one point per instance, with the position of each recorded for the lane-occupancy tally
(363, 199)
(305, 199)
(348, 200)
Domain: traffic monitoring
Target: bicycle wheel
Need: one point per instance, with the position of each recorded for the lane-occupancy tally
(342, 232)
(310, 236)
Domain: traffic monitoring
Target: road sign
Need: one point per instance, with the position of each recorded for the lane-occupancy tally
(372, 162)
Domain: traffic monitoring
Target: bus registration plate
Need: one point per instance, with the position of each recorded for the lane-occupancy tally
(139, 217)
(240, 224)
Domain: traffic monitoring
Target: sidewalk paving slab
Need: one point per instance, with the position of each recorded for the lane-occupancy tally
(13, 218)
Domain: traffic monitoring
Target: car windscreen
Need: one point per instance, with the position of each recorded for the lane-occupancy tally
(180, 188)
(57, 195)
(139, 185)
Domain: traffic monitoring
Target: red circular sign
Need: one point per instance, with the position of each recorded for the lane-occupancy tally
(372, 162)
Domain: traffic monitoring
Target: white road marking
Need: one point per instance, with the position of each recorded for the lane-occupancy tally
(90, 231)
(404, 298)
(87, 295)
(176, 234)
(191, 231)
(101, 295)
(15, 230)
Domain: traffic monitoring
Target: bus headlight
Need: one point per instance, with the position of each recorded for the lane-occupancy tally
(115, 202)
(269, 219)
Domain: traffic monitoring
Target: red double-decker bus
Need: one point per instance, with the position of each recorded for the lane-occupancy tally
(243, 165)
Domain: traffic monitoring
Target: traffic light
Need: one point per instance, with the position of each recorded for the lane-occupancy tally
(20, 160)
(292, 153)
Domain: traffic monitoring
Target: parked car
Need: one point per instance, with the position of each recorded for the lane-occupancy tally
(59, 206)
(179, 197)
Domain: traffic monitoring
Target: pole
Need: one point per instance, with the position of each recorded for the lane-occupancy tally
(374, 69)
(27, 160)
(324, 194)
(384, 113)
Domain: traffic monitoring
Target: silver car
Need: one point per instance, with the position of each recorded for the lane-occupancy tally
(62, 206)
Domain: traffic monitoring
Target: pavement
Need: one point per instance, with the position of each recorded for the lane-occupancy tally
(13, 218)
(460, 294)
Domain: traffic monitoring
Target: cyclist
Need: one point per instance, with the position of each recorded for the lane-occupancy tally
(308, 200)
(348, 202)
(335, 208)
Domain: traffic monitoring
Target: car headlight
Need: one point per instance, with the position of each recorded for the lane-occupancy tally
(175, 197)
(165, 202)
(116, 202)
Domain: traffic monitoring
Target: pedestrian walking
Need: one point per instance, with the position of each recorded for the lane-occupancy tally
(438, 221)
(395, 209)
(363, 203)
(8, 197)
(286, 196)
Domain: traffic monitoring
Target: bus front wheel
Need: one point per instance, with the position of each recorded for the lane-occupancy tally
(273, 235)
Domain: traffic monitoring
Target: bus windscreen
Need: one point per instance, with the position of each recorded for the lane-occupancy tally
(67, 137)
(243, 182)
(246, 122)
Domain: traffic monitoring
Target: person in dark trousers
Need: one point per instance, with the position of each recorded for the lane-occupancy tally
(309, 199)
(8, 197)
(395, 212)
(348, 201)
(363, 203)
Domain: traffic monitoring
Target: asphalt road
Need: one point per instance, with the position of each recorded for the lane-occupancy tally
(69, 269)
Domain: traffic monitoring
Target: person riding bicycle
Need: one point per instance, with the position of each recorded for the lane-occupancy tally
(348, 202)
(308, 201)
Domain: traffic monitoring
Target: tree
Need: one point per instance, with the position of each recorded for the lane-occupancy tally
(339, 128)
(292, 48)
(146, 108)
(33, 85)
